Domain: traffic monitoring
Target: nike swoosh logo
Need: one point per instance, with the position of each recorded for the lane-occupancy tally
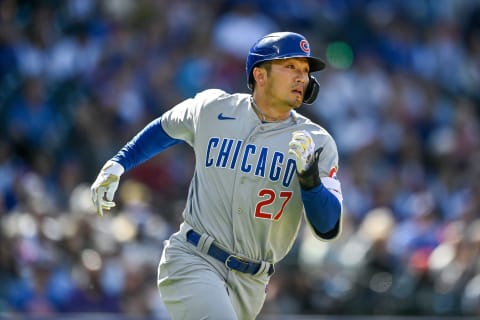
(222, 117)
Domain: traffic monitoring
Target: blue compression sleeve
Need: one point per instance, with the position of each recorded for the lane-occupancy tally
(323, 211)
(146, 144)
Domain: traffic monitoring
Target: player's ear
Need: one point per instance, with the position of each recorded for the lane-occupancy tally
(259, 75)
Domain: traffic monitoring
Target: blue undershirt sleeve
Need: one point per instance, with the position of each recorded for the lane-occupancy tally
(146, 144)
(323, 211)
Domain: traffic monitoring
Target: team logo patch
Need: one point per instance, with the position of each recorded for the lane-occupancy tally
(305, 46)
(333, 173)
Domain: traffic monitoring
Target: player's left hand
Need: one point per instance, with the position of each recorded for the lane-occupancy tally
(105, 186)
(302, 147)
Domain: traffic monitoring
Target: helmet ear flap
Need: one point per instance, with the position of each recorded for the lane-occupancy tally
(312, 90)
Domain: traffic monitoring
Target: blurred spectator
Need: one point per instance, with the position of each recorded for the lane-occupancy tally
(33, 123)
(237, 29)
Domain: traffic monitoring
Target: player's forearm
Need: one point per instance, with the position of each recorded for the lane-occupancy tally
(323, 210)
(146, 144)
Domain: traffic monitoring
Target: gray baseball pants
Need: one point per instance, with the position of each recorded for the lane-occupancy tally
(195, 286)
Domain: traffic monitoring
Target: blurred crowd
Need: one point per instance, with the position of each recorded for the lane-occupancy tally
(78, 78)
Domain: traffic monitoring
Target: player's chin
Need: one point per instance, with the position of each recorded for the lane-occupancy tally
(297, 103)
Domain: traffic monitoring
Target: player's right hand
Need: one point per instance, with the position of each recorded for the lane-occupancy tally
(105, 186)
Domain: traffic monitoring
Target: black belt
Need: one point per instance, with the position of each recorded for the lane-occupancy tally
(230, 261)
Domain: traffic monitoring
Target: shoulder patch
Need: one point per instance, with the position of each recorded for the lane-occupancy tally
(333, 172)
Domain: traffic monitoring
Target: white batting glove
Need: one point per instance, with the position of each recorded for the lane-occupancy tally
(303, 148)
(105, 186)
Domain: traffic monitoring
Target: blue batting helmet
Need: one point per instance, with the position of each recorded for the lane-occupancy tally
(280, 45)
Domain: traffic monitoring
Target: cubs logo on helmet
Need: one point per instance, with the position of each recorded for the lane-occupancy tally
(305, 46)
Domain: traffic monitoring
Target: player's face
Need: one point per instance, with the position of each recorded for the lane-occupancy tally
(288, 80)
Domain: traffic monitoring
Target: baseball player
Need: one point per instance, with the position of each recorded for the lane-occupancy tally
(260, 168)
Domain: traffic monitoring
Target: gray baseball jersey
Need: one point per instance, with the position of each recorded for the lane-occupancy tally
(244, 192)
